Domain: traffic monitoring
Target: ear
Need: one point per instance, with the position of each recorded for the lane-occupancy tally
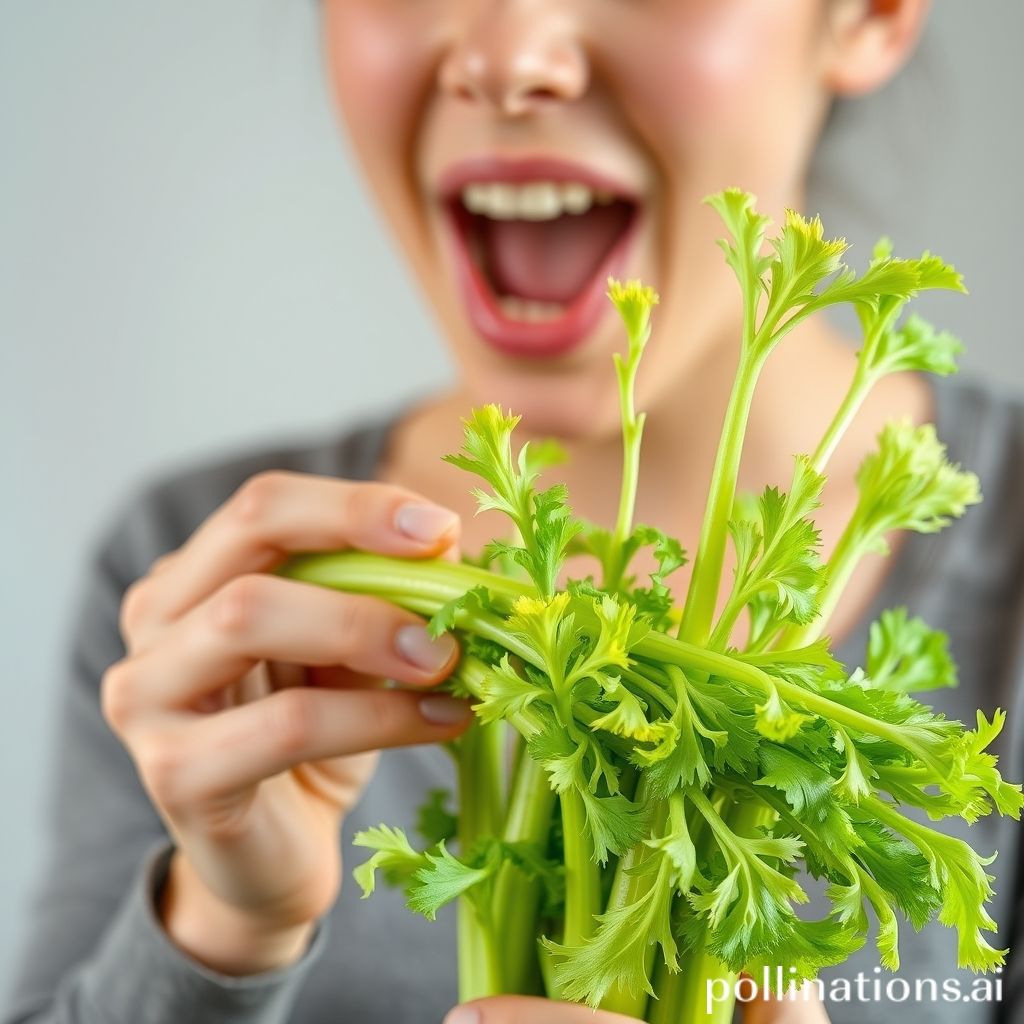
(870, 40)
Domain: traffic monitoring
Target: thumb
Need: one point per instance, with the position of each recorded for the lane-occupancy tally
(516, 1009)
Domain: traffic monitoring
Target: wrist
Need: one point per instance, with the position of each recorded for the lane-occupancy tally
(221, 937)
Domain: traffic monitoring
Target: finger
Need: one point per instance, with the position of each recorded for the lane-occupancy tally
(267, 618)
(801, 1007)
(216, 756)
(277, 513)
(516, 1009)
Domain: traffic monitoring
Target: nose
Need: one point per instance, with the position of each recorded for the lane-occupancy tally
(514, 56)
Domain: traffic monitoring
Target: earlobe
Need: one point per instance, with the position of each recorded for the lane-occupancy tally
(870, 41)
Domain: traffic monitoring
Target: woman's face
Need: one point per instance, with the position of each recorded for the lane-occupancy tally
(528, 148)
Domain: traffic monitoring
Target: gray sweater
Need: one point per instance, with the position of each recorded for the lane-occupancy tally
(94, 952)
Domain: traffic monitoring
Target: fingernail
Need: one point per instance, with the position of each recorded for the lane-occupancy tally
(419, 648)
(464, 1015)
(440, 709)
(424, 523)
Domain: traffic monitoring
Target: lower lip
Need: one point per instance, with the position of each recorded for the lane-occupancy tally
(548, 338)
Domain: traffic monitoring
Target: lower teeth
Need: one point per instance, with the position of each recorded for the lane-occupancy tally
(530, 310)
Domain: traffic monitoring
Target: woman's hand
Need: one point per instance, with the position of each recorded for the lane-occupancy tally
(517, 1009)
(252, 705)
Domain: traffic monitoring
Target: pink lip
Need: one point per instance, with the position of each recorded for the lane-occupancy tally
(514, 337)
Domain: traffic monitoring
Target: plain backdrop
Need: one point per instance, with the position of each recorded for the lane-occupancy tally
(188, 266)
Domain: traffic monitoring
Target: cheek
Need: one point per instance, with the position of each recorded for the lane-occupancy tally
(378, 59)
(704, 72)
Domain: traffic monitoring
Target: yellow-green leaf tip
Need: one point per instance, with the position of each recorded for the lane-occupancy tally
(634, 301)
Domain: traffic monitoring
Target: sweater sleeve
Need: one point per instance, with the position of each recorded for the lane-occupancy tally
(95, 952)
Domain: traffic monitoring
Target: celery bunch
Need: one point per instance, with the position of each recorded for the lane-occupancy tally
(668, 783)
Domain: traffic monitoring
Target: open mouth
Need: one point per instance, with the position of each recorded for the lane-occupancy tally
(533, 257)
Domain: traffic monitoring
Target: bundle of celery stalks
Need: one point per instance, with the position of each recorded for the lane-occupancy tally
(669, 785)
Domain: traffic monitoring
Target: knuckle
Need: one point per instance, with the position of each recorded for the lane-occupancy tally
(291, 719)
(354, 627)
(161, 768)
(134, 606)
(237, 605)
(387, 712)
(161, 563)
(361, 503)
(254, 499)
(117, 700)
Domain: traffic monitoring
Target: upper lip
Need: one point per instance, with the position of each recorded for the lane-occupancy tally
(523, 169)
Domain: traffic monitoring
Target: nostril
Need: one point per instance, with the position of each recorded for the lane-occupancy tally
(540, 93)
(521, 100)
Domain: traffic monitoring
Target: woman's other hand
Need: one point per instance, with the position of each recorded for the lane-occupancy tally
(517, 1009)
(252, 705)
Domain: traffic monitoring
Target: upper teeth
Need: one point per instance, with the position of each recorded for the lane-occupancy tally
(537, 200)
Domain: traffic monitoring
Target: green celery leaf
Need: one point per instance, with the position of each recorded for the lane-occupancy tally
(434, 821)
(445, 877)
(777, 563)
(749, 911)
(812, 666)
(900, 870)
(617, 631)
(804, 949)
(803, 259)
(681, 759)
(536, 456)
(808, 788)
(506, 693)
(615, 957)
(613, 823)
(445, 618)
(905, 655)
(628, 715)
(913, 346)
(554, 529)
(930, 734)
(487, 452)
(848, 908)
(777, 721)
(548, 627)
(393, 856)
(907, 484)
(856, 782)
(668, 552)
(743, 253)
(975, 781)
(958, 873)
(725, 711)
(487, 651)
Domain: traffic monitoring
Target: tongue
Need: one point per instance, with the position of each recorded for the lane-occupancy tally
(550, 261)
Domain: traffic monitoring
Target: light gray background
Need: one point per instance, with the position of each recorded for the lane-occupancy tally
(187, 265)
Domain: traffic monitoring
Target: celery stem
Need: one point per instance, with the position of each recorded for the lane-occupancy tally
(582, 876)
(425, 586)
(516, 897)
(849, 407)
(481, 750)
(684, 997)
(632, 432)
(702, 596)
(627, 888)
